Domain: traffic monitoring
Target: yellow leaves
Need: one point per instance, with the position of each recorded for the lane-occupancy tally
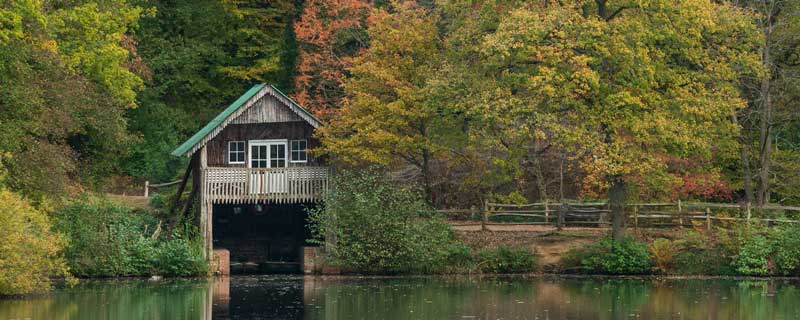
(29, 251)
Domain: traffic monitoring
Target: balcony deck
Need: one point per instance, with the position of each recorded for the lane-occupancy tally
(265, 185)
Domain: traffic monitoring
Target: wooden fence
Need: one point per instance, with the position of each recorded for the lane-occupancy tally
(646, 215)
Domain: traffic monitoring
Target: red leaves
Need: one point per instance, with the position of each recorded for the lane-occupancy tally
(330, 33)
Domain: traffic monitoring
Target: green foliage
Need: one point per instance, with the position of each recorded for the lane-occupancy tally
(180, 257)
(753, 256)
(702, 255)
(506, 260)
(615, 257)
(30, 251)
(202, 55)
(379, 227)
(109, 240)
(61, 105)
(91, 39)
(787, 249)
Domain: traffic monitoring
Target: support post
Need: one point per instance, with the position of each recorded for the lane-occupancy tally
(546, 212)
(182, 186)
(485, 215)
(146, 188)
(708, 218)
(206, 207)
(680, 213)
(562, 208)
(636, 217)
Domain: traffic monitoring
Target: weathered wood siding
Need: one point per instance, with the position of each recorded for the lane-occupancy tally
(297, 130)
(267, 110)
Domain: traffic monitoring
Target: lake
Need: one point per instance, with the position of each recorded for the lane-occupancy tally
(512, 297)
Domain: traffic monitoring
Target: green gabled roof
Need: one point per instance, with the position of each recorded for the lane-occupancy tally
(198, 137)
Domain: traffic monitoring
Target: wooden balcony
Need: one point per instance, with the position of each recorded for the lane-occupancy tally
(265, 185)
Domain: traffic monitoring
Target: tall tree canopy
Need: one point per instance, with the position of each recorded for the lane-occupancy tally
(202, 54)
(636, 87)
(64, 85)
(329, 33)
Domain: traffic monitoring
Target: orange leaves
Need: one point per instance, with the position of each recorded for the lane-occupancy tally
(330, 33)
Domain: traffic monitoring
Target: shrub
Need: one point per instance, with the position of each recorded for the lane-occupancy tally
(611, 257)
(701, 254)
(109, 240)
(29, 252)
(752, 257)
(664, 252)
(380, 228)
(749, 248)
(506, 260)
(180, 257)
(787, 249)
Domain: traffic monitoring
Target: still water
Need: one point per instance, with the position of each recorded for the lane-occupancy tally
(297, 297)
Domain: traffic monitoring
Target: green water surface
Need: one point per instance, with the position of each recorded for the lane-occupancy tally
(297, 297)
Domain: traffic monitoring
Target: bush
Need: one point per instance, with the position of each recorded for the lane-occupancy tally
(787, 249)
(29, 252)
(702, 255)
(610, 257)
(506, 260)
(664, 252)
(109, 240)
(180, 257)
(753, 255)
(380, 228)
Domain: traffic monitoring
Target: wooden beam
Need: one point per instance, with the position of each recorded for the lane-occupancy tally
(182, 187)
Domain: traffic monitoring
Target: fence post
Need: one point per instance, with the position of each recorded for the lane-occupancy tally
(146, 188)
(680, 213)
(546, 213)
(635, 217)
(708, 218)
(560, 221)
(484, 214)
(472, 212)
(749, 214)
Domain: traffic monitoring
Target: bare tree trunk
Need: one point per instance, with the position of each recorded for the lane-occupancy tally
(426, 178)
(617, 196)
(765, 141)
(747, 174)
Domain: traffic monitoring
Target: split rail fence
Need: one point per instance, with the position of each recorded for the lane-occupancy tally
(598, 214)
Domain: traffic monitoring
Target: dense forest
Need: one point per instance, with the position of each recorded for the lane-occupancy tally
(470, 99)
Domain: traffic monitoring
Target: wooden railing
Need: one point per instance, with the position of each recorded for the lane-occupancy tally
(574, 213)
(263, 185)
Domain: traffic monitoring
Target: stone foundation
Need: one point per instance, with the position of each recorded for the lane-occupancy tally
(221, 262)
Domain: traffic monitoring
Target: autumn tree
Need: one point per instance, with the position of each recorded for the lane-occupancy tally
(329, 34)
(627, 86)
(770, 118)
(387, 116)
(64, 86)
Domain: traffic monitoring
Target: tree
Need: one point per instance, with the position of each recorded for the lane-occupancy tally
(203, 54)
(330, 33)
(627, 88)
(387, 116)
(62, 120)
(771, 97)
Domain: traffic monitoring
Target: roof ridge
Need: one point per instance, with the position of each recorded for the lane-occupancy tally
(200, 137)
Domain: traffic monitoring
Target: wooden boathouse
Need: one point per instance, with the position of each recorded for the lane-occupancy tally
(253, 176)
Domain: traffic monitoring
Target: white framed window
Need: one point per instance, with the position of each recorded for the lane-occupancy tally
(236, 152)
(298, 151)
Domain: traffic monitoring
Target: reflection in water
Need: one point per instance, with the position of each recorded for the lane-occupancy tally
(297, 297)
